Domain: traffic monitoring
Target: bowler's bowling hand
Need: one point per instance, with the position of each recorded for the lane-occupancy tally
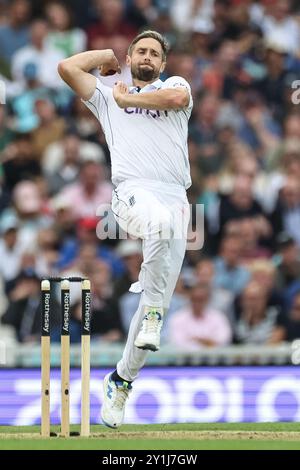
(110, 67)
(120, 92)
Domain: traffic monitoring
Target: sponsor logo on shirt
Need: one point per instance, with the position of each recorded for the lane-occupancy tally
(131, 201)
(147, 112)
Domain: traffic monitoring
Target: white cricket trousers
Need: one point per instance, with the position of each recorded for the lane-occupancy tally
(158, 213)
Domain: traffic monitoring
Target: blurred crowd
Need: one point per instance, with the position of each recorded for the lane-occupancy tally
(242, 59)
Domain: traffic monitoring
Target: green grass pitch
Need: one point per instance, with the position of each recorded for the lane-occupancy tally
(248, 436)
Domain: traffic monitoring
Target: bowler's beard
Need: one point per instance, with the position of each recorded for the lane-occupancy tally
(144, 74)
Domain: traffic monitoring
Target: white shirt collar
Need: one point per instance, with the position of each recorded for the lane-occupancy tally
(157, 84)
(151, 86)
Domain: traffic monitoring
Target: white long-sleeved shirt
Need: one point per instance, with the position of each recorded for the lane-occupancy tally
(148, 144)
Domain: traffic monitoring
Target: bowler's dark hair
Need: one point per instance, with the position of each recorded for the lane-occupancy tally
(154, 35)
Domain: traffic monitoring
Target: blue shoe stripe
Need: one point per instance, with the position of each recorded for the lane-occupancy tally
(159, 317)
(109, 392)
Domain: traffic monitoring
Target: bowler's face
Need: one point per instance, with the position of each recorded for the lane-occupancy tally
(146, 61)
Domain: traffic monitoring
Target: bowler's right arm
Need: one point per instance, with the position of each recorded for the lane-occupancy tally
(75, 70)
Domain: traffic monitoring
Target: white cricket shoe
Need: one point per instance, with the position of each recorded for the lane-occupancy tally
(149, 335)
(114, 400)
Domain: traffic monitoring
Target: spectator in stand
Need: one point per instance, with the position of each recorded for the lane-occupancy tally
(241, 161)
(12, 247)
(251, 250)
(106, 322)
(184, 13)
(111, 21)
(69, 149)
(15, 34)
(64, 222)
(279, 24)
(258, 129)
(141, 13)
(164, 25)
(239, 204)
(68, 169)
(221, 21)
(74, 324)
(198, 325)
(229, 273)
(288, 269)
(256, 322)
(19, 161)
(90, 191)
(86, 124)
(37, 52)
(221, 298)
(47, 252)
(263, 272)
(4, 194)
(62, 36)
(24, 104)
(291, 126)
(286, 216)
(288, 165)
(223, 75)
(28, 208)
(86, 235)
(204, 131)
(200, 40)
(239, 19)
(272, 86)
(290, 142)
(105, 318)
(23, 311)
(293, 321)
(86, 261)
(50, 129)
(7, 134)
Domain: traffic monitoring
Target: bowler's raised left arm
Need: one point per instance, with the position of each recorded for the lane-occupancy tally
(164, 99)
